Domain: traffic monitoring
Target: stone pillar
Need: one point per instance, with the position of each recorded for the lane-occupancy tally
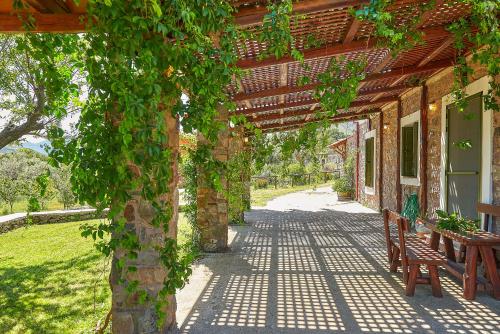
(239, 182)
(212, 211)
(128, 314)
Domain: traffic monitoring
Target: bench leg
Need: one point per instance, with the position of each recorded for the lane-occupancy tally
(395, 260)
(412, 280)
(435, 283)
(491, 270)
(470, 275)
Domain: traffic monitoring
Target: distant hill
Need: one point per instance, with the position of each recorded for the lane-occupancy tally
(38, 147)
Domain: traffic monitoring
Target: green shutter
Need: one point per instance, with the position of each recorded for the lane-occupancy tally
(409, 156)
(369, 155)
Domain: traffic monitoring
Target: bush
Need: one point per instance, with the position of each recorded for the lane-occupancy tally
(343, 185)
(261, 183)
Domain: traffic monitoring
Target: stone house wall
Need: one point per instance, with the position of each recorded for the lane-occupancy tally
(438, 86)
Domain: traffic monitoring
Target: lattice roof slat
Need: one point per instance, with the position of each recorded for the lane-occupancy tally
(328, 21)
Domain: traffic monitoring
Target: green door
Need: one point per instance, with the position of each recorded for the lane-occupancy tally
(463, 169)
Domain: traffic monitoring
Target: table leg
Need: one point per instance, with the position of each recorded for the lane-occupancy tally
(470, 275)
(449, 249)
(491, 268)
(435, 236)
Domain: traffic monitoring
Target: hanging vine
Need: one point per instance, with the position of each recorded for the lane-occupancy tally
(140, 56)
(477, 33)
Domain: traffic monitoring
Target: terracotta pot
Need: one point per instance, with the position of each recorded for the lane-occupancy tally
(344, 196)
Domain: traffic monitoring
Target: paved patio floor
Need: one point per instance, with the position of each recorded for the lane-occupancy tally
(309, 264)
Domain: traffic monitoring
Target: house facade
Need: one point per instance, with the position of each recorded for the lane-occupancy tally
(422, 145)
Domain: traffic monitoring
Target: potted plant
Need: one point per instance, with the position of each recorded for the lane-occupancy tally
(453, 222)
(344, 184)
(344, 187)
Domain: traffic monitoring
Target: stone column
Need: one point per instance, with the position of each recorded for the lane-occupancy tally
(212, 211)
(240, 181)
(129, 316)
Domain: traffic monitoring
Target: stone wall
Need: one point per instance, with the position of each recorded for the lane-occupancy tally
(390, 157)
(438, 86)
(369, 200)
(16, 220)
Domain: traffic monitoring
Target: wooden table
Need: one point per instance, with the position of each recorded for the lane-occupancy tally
(480, 242)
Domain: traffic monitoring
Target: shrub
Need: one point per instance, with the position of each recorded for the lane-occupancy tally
(261, 183)
(343, 185)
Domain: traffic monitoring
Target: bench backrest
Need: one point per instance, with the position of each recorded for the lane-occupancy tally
(401, 223)
(490, 212)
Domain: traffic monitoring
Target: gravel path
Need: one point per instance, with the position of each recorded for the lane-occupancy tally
(307, 263)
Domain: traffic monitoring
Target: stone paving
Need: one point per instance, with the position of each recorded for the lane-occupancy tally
(309, 264)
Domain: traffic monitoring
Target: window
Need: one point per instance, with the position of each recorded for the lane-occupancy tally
(410, 150)
(369, 162)
(409, 147)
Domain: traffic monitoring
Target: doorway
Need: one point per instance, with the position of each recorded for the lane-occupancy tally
(463, 166)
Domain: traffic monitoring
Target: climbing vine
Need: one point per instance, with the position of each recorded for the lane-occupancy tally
(478, 33)
(140, 56)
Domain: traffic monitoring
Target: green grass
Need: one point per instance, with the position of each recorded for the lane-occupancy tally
(20, 206)
(52, 280)
(260, 197)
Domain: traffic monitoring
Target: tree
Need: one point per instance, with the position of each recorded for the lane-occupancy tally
(19, 176)
(36, 90)
(62, 182)
(10, 190)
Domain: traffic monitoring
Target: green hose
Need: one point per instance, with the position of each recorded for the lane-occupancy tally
(411, 209)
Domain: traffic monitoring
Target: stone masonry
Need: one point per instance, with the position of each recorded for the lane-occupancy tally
(212, 215)
(128, 314)
(16, 220)
(438, 85)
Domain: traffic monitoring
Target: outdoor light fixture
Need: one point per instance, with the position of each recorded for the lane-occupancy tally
(386, 126)
(246, 139)
(432, 107)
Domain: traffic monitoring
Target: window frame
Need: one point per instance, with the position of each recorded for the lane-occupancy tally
(371, 134)
(407, 121)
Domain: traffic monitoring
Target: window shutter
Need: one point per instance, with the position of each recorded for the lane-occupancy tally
(415, 150)
(409, 148)
(369, 148)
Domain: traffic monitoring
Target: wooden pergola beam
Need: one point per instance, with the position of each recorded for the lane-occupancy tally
(355, 104)
(50, 6)
(55, 23)
(336, 118)
(249, 16)
(394, 73)
(324, 51)
(315, 101)
(335, 49)
(351, 32)
(437, 51)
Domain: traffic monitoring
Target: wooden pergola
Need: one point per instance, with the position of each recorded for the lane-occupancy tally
(269, 93)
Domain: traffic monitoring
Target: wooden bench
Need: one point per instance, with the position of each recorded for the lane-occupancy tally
(410, 253)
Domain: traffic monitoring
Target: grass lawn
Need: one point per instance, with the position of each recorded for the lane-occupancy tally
(260, 197)
(53, 281)
(21, 206)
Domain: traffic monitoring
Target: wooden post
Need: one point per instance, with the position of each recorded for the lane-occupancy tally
(381, 161)
(398, 156)
(424, 108)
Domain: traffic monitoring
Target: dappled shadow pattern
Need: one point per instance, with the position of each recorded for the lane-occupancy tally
(324, 272)
(28, 291)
